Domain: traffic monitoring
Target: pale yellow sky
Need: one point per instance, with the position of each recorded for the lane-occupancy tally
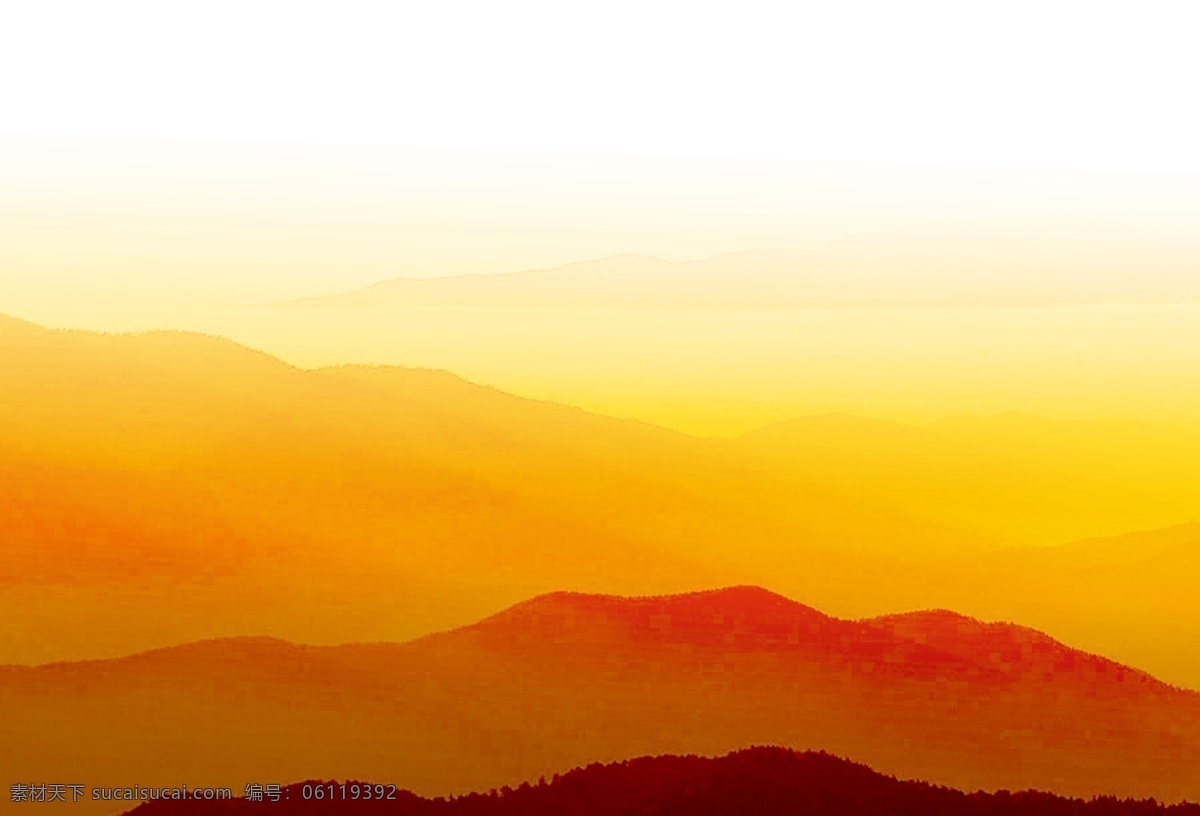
(250, 151)
(104, 223)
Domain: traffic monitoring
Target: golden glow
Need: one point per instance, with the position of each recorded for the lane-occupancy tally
(438, 307)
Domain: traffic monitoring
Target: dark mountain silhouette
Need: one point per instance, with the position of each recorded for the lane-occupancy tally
(754, 782)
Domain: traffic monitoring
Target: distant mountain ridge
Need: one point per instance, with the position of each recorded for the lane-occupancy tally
(865, 270)
(756, 782)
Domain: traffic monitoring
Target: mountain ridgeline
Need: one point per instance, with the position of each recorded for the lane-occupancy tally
(751, 782)
(866, 270)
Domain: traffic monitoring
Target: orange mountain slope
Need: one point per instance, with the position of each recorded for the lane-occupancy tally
(566, 679)
(167, 487)
(1131, 597)
(228, 492)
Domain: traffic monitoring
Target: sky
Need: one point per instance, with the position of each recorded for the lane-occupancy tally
(258, 151)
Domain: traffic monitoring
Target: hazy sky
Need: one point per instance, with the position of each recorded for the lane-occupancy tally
(264, 150)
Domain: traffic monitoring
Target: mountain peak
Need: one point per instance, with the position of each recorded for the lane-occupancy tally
(1015, 651)
(740, 599)
(729, 619)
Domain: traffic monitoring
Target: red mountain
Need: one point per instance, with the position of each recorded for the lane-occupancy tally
(565, 679)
